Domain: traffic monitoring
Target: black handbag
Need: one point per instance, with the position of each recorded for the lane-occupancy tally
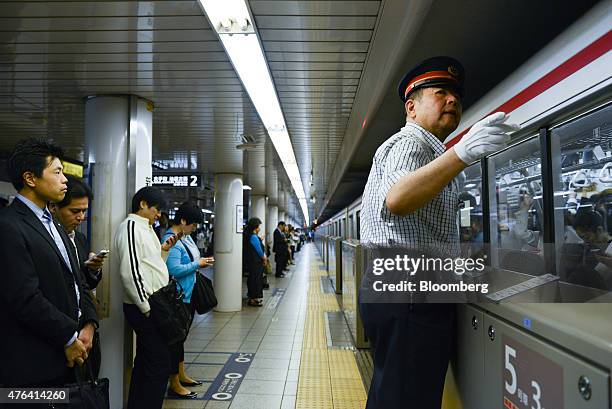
(203, 295)
(88, 393)
(170, 313)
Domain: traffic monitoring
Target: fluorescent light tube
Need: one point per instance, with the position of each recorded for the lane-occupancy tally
(232, 22)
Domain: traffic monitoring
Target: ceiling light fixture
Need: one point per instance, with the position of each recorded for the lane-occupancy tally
(246, 187)
(232, 22)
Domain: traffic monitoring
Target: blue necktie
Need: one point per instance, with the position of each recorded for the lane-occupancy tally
(58, 240)
(48, 222)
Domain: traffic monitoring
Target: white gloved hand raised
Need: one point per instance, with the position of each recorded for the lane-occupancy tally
(486, 136)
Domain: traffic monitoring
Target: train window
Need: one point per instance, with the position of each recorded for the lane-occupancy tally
(470, 212)
(582, 165)
(351, 232)
(515, 197)
(358, 224)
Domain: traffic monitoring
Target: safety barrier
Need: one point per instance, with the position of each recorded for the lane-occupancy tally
(352, 271)
(334, 262)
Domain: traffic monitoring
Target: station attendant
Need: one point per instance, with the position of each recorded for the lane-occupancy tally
(411, 200)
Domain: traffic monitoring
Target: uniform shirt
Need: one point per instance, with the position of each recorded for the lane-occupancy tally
(434, 226)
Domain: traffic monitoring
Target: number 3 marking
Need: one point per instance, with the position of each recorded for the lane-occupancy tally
(536, 396)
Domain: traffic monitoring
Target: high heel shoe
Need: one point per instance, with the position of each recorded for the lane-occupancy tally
(194, 383)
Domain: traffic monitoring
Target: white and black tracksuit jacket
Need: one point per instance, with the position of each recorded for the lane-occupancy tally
(142, 263)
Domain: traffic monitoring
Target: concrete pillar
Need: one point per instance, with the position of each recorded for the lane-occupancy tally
(258, 204)
(118, 135)
(228, 242)
(272, 216)
(272, 223)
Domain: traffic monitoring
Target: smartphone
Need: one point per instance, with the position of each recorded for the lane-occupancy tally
(102, 253)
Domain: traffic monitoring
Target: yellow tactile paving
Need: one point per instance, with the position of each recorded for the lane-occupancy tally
(328, 378)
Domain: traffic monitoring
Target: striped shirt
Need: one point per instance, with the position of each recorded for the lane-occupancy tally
(433, 227)
(142, 264)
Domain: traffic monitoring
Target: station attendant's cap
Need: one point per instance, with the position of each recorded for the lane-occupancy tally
(434, 72)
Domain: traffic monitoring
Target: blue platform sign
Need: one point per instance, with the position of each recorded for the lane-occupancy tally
(226, 385)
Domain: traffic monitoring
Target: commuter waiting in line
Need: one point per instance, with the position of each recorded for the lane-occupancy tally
(143, 271)
(46, 314)
(280, 249)
(183, 263)
(255, 260)
(411, 201)
(70, 213)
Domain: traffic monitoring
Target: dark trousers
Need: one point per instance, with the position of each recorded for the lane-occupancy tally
(152, 363)
(411, 347)
(255, 282)
(281, 262)
(177, 351)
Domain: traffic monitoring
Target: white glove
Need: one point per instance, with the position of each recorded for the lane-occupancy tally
(486, 136)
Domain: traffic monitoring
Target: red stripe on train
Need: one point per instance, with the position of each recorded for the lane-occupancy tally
(589, 54)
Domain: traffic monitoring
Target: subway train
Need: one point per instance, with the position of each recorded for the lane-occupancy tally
(543, 338)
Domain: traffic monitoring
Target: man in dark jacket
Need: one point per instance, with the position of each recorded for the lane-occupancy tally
(280, 249)
(47, 317)
(70, 213)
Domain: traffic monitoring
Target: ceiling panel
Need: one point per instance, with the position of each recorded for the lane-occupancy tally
(53, 54)
(8, 37)
(316, 51)
(293, 8)
(98, 8)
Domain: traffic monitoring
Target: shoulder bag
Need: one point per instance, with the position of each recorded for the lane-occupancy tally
(170, 313)
(203, 295)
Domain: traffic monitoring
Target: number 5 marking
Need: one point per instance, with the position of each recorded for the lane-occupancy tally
(511, 388)
(536, 396)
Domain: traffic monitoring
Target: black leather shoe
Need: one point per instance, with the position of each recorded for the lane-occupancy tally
(194, 383)
(281, 275)
(190, 395)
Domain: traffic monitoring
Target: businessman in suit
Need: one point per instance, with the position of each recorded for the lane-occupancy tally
(70, 213)
(281, 249)
(47, 317)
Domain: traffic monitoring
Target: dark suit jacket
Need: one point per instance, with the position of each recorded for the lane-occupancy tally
(38, 308)
(92, 278)
(280, 244)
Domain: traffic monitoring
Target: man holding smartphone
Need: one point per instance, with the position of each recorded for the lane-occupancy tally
(142, 267)
(71, 212)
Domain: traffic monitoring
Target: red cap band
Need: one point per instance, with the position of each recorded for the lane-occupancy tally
(416, 81)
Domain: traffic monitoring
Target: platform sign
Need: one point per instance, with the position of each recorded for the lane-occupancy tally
(176, 180)
(530, 380)
(227, 383)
